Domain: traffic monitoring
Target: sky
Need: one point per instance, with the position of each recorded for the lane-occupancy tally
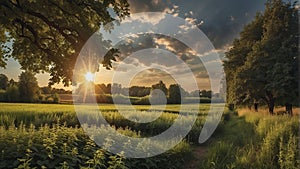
(151, 49)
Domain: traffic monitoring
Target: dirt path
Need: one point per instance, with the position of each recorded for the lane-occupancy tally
(198, 152)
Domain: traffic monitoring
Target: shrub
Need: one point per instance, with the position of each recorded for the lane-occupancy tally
(56, 98)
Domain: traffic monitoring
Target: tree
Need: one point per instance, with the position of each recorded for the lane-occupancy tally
(205, 93)
(158, 93)
(237, 92)
(269, 69)
(139, 91)
(12, 82)
(3, 81)
(46, 90)
(161, 86)
(56, 98)
(175, 94)
(48, 35)
(28, 87)
(12, 94)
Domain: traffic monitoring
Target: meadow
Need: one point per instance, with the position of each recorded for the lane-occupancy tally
(50, 136)
(248, 139)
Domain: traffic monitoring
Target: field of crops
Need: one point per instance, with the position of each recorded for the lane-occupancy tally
(50, 136)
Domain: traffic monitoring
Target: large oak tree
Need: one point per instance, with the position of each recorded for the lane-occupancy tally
(48, 35)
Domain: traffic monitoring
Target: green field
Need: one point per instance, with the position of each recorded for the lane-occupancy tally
(50, 136)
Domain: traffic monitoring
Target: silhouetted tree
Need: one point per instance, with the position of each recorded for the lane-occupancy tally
(12, 82)
(205, 93)
(174, 94)
(161, 86)
(12, 94)
(28, 87)
(3, 81)
(139, 91)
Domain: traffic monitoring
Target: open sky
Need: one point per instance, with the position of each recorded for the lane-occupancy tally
(221, 21)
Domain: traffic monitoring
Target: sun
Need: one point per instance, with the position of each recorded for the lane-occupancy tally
(89, 76)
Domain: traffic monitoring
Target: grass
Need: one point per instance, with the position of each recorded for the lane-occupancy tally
(59, 146)
(49, 135)
(255, 140)
(41, 114)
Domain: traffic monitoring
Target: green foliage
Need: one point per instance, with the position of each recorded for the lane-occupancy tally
(263, 63)
(28, 87)
(70, 148)
(40, 115)
(12, 94)
(2, 95)
(3, 81)
(174, 94)
(53, 32)
(287, 154)
(56, 98)
(49, 136)
(139, 91)
(255, 141)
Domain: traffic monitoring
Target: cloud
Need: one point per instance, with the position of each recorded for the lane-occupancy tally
(221, 21)
(147, 5)
(165, 53)
(152, 76)
(147, 49)
(151, 18)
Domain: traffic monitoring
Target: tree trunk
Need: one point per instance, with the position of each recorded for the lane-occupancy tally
(256, 107)
(270, 100)
(289, 109)
(271, 106)
(231, 107)
(249, 106)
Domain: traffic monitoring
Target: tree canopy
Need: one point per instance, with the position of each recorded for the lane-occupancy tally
(262, 65)
(3, 81)
(28, 87)
(174, 94)
(47, 36)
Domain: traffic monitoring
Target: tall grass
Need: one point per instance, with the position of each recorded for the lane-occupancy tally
(49, 136)
(61, 146)
(256, 140)
(39, 115)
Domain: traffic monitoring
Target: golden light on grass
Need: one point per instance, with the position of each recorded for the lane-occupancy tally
(89, 76)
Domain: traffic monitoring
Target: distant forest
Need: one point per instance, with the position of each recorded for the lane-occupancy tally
(156, 94)
(142, 91)
(27, 90)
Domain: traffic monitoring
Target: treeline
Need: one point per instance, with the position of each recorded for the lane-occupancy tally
(26, 89)
(142, 91)
(156, 94)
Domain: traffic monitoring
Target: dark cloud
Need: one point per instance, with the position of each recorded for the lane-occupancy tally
(138, 47)
(221, 20)
(145, 41)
